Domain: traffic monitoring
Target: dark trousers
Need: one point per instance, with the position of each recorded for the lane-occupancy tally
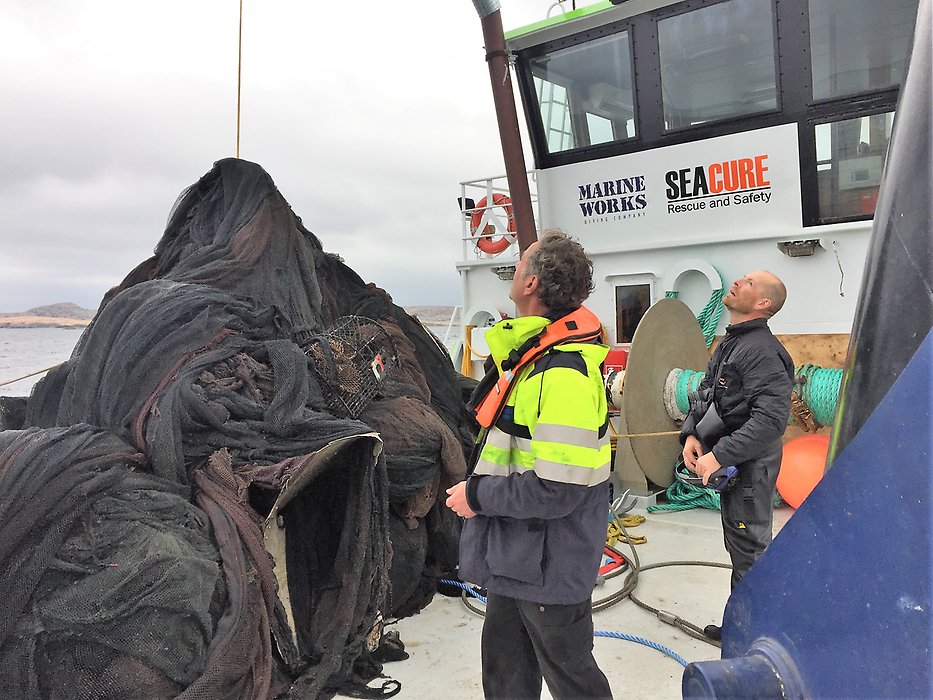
(525, 641)
(748, 511)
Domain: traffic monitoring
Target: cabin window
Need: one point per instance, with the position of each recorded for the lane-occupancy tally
(849, 159)
(632, 301)
(555, 113)
(717, 63)
(859, 45)
(585, 94)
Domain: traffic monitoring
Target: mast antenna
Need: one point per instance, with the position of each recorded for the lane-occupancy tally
(239, 79)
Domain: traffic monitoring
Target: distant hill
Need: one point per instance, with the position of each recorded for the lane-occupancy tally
(61, 315)
(431, 315)
(64, 309)
(67, 314)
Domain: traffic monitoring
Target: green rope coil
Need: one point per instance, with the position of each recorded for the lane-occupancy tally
(681, 496)
(820, 391)
(688, 381)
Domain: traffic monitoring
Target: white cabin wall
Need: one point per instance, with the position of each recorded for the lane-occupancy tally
(648, 242)
(814, 304)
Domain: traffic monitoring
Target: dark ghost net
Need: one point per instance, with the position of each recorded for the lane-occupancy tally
(194, 431)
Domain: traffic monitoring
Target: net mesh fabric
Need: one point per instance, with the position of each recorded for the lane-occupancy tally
(133, 499)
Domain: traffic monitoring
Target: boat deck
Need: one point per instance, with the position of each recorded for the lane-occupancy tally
(444, 639)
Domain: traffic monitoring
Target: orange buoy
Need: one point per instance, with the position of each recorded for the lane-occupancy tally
(802, 467)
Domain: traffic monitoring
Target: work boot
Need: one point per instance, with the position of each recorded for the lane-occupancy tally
(714, 632)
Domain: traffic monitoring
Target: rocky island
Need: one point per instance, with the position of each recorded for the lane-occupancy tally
(61, 315)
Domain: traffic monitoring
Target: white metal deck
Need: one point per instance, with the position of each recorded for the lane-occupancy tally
(444, 639)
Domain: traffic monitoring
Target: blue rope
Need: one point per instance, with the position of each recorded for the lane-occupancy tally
(598, 633)
(639, 640)
(468, 589)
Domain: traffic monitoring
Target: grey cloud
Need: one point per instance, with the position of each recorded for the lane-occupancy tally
(111, 110)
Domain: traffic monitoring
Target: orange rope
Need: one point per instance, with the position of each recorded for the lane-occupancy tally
(27, 376)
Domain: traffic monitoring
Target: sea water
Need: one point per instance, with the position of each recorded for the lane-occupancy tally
(27, 350)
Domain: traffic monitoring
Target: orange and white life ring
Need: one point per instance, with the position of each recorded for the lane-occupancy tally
(484, 240)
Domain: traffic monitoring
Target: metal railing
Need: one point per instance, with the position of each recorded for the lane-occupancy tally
(487, 227)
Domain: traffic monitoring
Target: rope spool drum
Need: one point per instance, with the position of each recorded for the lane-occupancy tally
(667, 337)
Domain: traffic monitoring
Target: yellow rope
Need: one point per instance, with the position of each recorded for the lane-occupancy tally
(469, 353)
(27, 376)
(616, 531)
(634, 435)
(613, 435)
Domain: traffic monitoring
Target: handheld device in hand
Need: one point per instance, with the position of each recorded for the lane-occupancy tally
(719, 480)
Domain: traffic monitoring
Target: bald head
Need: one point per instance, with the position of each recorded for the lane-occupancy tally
(771, 288)
(759, 294)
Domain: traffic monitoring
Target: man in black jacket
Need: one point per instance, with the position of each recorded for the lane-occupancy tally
(741, 414)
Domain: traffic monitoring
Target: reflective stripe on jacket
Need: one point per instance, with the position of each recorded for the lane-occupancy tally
(539, 486)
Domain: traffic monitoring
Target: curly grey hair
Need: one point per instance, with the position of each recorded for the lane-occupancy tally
(564, 272)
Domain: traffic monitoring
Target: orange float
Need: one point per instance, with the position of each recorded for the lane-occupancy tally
(802, 467)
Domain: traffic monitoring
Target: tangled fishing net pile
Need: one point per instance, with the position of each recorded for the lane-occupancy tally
(209, 415)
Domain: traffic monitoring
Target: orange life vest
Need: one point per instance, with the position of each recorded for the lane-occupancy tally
(581, 325)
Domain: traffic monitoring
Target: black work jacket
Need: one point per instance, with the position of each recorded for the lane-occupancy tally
(752, 395)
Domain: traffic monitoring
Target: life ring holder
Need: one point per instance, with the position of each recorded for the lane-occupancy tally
(669, 280)
(480, 225)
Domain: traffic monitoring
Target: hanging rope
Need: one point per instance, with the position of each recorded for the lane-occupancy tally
(239, 79)
(708, 318)
(27, 376)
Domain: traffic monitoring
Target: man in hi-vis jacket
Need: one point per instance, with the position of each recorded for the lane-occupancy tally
(536, 501)
(746, 392)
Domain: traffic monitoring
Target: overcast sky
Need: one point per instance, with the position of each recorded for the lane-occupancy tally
(366, 114)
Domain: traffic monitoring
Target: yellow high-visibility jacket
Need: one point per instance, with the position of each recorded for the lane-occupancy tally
(540, 483)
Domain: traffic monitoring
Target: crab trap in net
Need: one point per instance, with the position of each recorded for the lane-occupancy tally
(350, 360)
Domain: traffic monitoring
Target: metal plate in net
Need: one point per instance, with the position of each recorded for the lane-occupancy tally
(350, 360)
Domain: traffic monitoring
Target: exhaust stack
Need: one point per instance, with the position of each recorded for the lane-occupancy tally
(498, 60)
